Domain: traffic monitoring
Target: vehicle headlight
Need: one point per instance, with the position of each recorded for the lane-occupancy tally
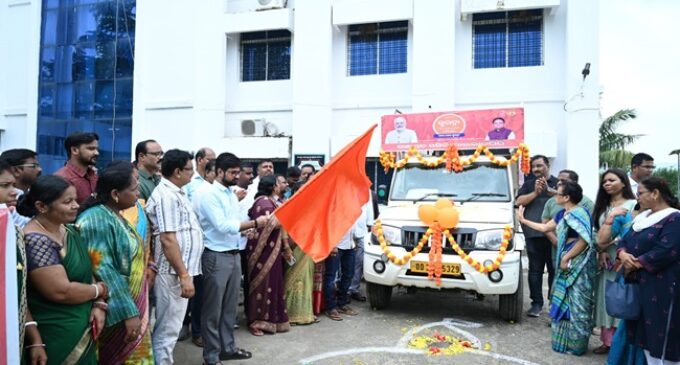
(489, 240)
(392, 236)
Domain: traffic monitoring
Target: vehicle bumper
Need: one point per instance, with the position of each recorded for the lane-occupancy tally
(470, 279)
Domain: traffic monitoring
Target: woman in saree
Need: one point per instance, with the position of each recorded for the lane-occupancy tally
(28, 330)
(649, 253)
(298, 281)
(614, 192)
(571, 306)
(266, 303)
(119, 258)
(65, 301)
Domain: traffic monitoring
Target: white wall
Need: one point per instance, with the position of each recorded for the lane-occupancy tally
(19, 66)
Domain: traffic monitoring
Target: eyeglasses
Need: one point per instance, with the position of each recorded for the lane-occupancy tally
(156, 154)
(31, 165)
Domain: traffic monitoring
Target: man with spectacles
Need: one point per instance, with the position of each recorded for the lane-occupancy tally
(25, 168)
(641, 167)
(148, 155)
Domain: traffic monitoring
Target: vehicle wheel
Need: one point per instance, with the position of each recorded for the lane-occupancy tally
(379, 296)
(510, 306)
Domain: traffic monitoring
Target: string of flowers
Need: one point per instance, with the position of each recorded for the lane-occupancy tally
(454, 163)
(434, 264)
(507, 234)
(409, 255)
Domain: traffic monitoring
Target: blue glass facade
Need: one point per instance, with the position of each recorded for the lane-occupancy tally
(86, 68)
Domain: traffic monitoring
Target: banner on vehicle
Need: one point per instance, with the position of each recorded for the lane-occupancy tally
(495, 128)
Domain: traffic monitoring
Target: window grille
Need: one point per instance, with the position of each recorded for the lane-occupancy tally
(265, 55)
(377, 48)
(508, 39)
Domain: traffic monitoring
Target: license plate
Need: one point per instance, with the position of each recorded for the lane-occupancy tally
(447, 269)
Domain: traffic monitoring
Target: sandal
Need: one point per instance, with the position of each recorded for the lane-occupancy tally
(346, 309)
(334, 315)
(255, 331)
(601, 350)
(239, 354)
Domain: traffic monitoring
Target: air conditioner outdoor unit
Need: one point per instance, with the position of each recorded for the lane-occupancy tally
(271, 4)
(252, 127)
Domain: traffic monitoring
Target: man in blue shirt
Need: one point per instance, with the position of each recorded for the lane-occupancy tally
(218, 213)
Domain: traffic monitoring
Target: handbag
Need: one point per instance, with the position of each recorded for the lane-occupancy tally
(622, 299)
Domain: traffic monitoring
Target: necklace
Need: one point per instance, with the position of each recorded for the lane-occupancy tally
(62, 231)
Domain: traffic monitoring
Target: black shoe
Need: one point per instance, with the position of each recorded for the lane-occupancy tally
(358, 297)
(239, 354)
(534, 311)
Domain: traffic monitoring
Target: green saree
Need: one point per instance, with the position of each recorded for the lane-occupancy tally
(64, 328)
(298, 282)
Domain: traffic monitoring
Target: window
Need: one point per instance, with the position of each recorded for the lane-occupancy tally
(85, 77)
(377, 48)
(265, 55)
(508, 39)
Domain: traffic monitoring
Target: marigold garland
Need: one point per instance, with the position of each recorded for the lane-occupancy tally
(435, 266)
(438, 344)
(454, 163)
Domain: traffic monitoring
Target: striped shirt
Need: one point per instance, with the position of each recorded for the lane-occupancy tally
(169, 210)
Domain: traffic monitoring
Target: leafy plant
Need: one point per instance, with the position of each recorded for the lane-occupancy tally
(613, 144)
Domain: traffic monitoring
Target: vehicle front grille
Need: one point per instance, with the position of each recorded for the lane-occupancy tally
(465, 237)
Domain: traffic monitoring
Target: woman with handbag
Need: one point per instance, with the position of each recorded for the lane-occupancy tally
(650, 255)
(571, 303)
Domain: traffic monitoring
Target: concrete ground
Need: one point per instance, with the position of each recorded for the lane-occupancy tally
(381, 337)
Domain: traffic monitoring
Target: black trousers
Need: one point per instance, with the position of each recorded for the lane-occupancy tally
(539, 251)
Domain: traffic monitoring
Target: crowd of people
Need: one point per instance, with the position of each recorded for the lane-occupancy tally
(630, 234)
(113, 263)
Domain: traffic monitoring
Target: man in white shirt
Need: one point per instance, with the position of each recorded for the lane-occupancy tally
(246, 200)
(641, 167)
(401, 134)
(264, 168)
(342, 258)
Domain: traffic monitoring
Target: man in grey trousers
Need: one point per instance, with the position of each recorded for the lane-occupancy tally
(218, 213)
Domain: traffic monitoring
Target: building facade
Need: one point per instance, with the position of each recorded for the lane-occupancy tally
(277, 79)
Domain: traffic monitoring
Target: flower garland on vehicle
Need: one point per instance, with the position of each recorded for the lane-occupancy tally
(440, 218)
(454, 163)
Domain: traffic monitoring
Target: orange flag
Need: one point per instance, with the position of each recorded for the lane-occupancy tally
(327, 206)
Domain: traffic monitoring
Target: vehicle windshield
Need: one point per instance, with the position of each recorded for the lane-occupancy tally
(477, 182)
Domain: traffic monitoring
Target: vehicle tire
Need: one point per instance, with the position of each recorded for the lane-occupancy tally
(379, 296)
(510, 306)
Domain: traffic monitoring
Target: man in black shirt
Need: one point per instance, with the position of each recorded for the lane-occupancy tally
(533, 195)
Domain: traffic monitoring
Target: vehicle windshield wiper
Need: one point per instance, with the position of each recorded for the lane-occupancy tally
(445, 195)
(475, 196)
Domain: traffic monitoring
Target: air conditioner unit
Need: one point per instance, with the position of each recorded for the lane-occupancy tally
(252, 127)
(272, 130)
(271, 4)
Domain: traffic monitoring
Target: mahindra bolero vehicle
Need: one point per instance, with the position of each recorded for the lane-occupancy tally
(483, 194)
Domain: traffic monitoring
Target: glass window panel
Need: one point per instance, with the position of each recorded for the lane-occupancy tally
(49, 28)
(46, 101)
(489, 46)
(86, 29)
(278, 67)
(123, 98)
(363, 54)
(499, 15)
(525, 44)
(79, 126)
(105, 60)
(105, 14)
(125, 62)
(50, 146)
(122, 133)
(84, 62)
(253, 36)
(278, 34)
(103, 99)
(47, 64)
(64, 63)
(64, 104)
(254, 61)
(393, 53)
(391, 25)
(84, 99)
